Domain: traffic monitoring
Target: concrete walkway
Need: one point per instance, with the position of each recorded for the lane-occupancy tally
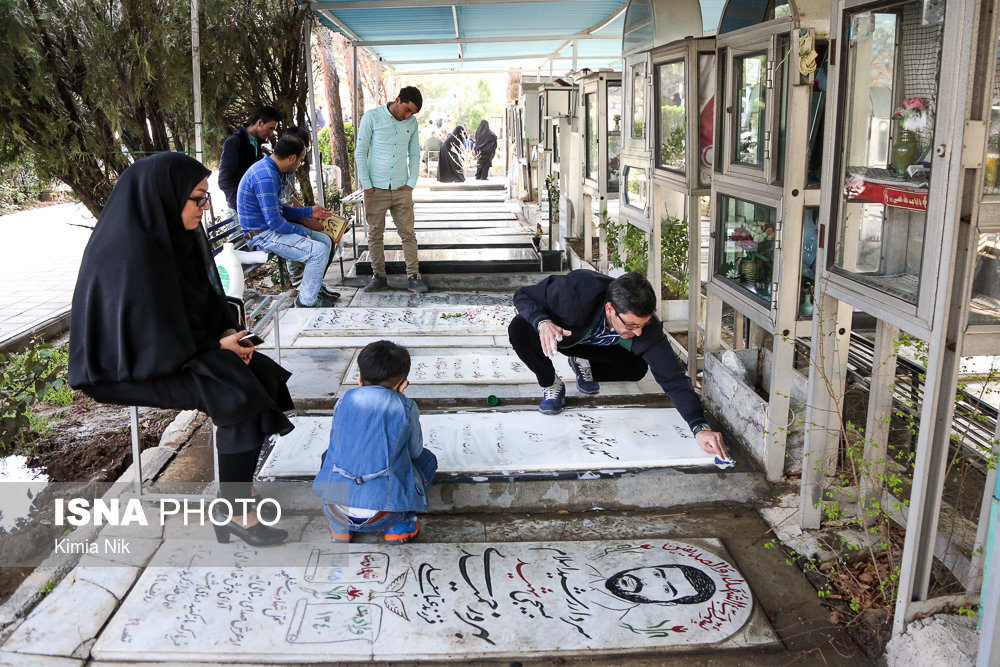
(39, 260)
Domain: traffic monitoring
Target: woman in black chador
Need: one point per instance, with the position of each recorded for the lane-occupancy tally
(450, 160)
(151, 326)
(486, 147)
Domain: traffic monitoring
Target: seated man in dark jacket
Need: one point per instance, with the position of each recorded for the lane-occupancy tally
(607, 329)
(244, 147)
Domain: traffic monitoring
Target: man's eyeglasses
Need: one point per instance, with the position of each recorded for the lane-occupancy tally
(201, 201)
(628, 326)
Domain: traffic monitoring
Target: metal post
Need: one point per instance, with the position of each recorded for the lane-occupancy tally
(196, 80)
(574, 55)
(987, 518)
(354, 104)
(875, 455)
(989, 612)
(133, 413)
(313, 131)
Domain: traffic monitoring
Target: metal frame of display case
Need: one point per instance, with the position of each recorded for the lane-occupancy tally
(530, 105)
(595, 83)
(789, 195)
(636, 152)
(554, 110)
(686, 186)
(960, 211)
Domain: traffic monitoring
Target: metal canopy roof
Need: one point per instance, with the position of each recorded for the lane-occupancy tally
(432, 36)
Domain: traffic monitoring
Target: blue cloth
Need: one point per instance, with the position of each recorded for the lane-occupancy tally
(602, 335)
(387, 152)
(377, 451)
(258, 201)
(306, 246)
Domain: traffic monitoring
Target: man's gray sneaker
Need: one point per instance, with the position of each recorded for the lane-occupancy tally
(319, 303)
(377, 284)
(416, 285)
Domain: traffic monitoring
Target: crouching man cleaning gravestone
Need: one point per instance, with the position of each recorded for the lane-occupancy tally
(607, 329)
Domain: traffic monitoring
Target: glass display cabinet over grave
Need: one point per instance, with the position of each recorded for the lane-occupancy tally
(648, 24)
(530, 105)
(599, 101)
(771, 74)
(884, 248)
(554, 106)
(682, 134)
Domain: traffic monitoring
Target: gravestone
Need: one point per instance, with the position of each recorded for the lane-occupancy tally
(519, 441)
(400, 299)
(390, 322)
(434, 601)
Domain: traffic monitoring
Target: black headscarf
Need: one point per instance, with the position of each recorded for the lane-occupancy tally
(148, 297)
(486, 141)
(449, 166)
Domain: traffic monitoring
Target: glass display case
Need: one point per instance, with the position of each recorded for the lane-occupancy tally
(636, 188)
(601, 115)
(889, 99)
(671, 125)
(746, 249)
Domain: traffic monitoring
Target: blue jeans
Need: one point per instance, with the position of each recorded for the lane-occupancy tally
(313, 250)
(383, 524)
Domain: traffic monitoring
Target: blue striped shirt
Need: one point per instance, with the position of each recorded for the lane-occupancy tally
(602, 335)
(258, 201)
(387, 152)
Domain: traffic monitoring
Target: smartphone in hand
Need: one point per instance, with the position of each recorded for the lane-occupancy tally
(253, 339)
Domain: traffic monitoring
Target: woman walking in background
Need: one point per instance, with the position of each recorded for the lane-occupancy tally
(486, 148)
(451, 161)
(151, 326)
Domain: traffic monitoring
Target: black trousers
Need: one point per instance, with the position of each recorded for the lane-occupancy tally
(239, 444)
(483, 169)
(610, 363)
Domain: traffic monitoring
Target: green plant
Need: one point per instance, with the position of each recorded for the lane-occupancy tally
(27, 378)
(326, 152)
(47, 587)
(674, 257)
(628, 246)
(672, 136)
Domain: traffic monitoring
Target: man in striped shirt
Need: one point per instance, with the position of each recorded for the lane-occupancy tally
(387, 156)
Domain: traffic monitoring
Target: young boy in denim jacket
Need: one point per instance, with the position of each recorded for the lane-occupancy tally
(376, 451)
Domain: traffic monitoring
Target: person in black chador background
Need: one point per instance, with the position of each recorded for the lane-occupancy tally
(486, 147)
(151, 326)
(450, 161)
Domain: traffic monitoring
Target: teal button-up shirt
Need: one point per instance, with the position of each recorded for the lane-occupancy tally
(387, 152)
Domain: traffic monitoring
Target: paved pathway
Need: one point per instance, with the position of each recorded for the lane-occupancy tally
(39, 260)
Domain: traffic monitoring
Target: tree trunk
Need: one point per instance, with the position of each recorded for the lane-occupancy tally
(335, 111)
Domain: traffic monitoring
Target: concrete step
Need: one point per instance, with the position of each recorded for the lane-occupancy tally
(471, 260)
(456, 241)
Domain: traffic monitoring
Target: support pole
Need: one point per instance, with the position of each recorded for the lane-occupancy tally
(875, 457)
(317, 157)
(354, 98)
(574, 55)
(196, 81)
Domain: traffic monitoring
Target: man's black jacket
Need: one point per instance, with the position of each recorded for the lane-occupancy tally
(238, 155)
(575, 301)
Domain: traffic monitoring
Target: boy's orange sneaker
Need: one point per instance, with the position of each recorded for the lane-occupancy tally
(402, 532)
(338, 536)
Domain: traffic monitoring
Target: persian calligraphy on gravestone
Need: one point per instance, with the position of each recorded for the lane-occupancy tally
(519, 441)
(437, 600)
(459, 368)
(409, 321)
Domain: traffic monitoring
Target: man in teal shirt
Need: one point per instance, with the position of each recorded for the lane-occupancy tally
(387, 155)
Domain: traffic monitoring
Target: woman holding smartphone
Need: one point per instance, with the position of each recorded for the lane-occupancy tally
(151, 326)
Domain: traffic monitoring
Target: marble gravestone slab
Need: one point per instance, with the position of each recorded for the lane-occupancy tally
(434, 601)
(519, 441)
(400, 299)
(459, 369)
(480, 320)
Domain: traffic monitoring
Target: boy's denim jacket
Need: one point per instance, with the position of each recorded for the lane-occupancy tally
(376, 459)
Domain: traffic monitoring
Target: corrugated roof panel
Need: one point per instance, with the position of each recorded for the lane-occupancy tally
(541, 18)
(399, 23)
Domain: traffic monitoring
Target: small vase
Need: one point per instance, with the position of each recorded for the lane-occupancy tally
(905, 151)
(807, 308)
(751, 270)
